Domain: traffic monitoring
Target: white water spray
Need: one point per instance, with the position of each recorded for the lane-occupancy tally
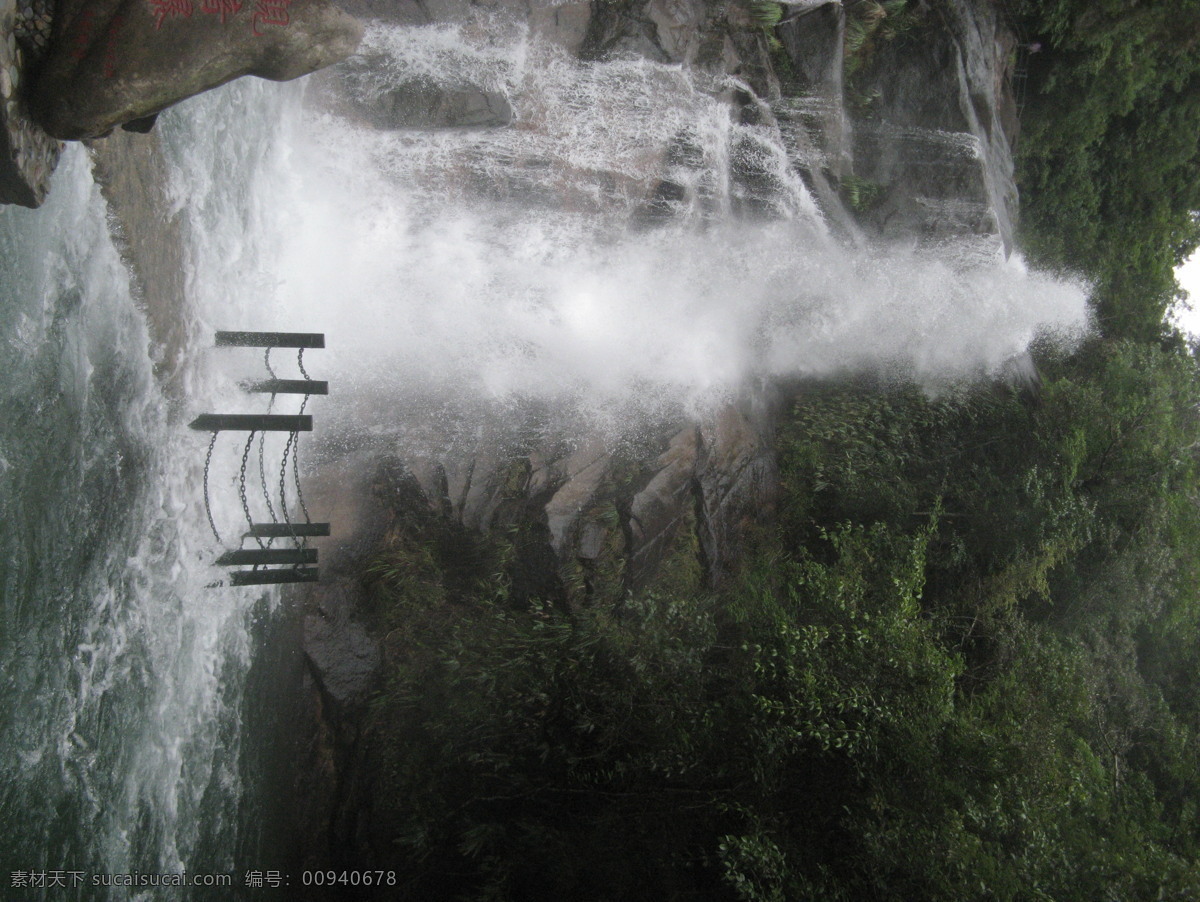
(435, 267)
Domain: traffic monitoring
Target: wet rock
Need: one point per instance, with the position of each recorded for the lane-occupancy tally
(27, 154)
(813, 37)
(583, 471)
(658, 510)
(419, 105)
(345, 657)
(676, 24)
(932, 133)
(564, 24)
(112, 61)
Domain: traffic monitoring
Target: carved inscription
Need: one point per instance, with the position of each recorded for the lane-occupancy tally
(83, 34)
(266, 12)
(270, 12)
(169, 9)
(111, 46)
(222, 8)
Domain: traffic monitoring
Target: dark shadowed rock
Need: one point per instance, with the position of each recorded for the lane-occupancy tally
(738, 479)
(813, 38)
(27, 154)
(343, 654)
(113, 61)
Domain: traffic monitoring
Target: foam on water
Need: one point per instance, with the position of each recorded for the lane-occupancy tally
(123, 672)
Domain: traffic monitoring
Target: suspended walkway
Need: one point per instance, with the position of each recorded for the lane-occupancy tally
(291, 561)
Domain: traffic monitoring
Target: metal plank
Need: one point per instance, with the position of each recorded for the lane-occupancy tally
(270, 340)
(252, 422)
(268, 556)
(285, 530)
(273, 577)
(288, 387)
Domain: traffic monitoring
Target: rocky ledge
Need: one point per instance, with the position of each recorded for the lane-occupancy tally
(27, 154)
(77, 69)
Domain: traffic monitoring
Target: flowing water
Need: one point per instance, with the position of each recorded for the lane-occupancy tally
(121, 728)
(484, 265)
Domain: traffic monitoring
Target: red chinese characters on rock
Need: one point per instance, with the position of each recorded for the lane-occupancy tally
(270, 12)
(222, 8)
(169, 9)
(266, 12)
(83, 34)
(111, 47)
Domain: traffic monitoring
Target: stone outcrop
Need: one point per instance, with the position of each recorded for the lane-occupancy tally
(813, 38)
(118, 61)
(27, 154)
(931, 131)
(147, 230)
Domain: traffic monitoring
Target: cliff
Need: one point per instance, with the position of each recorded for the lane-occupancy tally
(899, 125)
(901, 130)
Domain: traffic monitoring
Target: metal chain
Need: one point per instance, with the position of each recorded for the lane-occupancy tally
(262, 472)
(207, 503)
(287, 449)
(291, 448)
(296, 454)
(242, 487)
(296, 471)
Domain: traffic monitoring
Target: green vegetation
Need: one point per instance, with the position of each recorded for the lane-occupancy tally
(766, 14)
(869, 22)
(958, 665)
(1109, 163)
(960, 661)
(860, 194)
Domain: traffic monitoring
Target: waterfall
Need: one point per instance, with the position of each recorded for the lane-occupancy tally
(506, 261)
(511, 261)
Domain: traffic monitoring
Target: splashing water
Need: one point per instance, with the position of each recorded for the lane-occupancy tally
(123, 673)
(508, 261)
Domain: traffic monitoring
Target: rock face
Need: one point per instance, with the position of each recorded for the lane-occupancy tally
(132, 175)
(27, 154)
(424, 106)
(116, 61)
(932, 132)
(919, 149)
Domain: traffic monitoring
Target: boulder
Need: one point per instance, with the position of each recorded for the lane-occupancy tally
(113, 61)
(27, 154)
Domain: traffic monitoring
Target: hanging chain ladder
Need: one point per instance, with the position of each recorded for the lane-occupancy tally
(242, 487)
(207, 502)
